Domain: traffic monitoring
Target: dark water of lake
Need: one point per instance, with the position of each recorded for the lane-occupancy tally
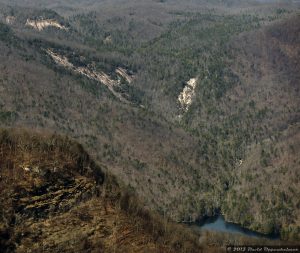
(218, 223)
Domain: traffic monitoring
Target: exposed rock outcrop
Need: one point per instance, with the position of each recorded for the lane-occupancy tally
(92, 74)
(10, 20)
(44, 23)
(123, 73)
(185, 98)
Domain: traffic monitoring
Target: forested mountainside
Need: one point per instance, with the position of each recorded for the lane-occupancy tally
(195, 106)
(55, 198)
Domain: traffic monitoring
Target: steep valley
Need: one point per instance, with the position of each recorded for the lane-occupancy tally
(194, 107)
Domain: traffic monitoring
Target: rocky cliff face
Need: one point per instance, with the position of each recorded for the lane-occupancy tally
(185, 98)
(44, 23)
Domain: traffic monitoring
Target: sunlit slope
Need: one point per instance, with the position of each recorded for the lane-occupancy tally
(55, 198)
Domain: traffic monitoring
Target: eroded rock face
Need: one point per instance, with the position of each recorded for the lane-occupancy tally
(10, 20)
(107, 40)
(92, 74)
(185, 98)
(48, 197)
(123, 73)
(41, 191)
(42, 24)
